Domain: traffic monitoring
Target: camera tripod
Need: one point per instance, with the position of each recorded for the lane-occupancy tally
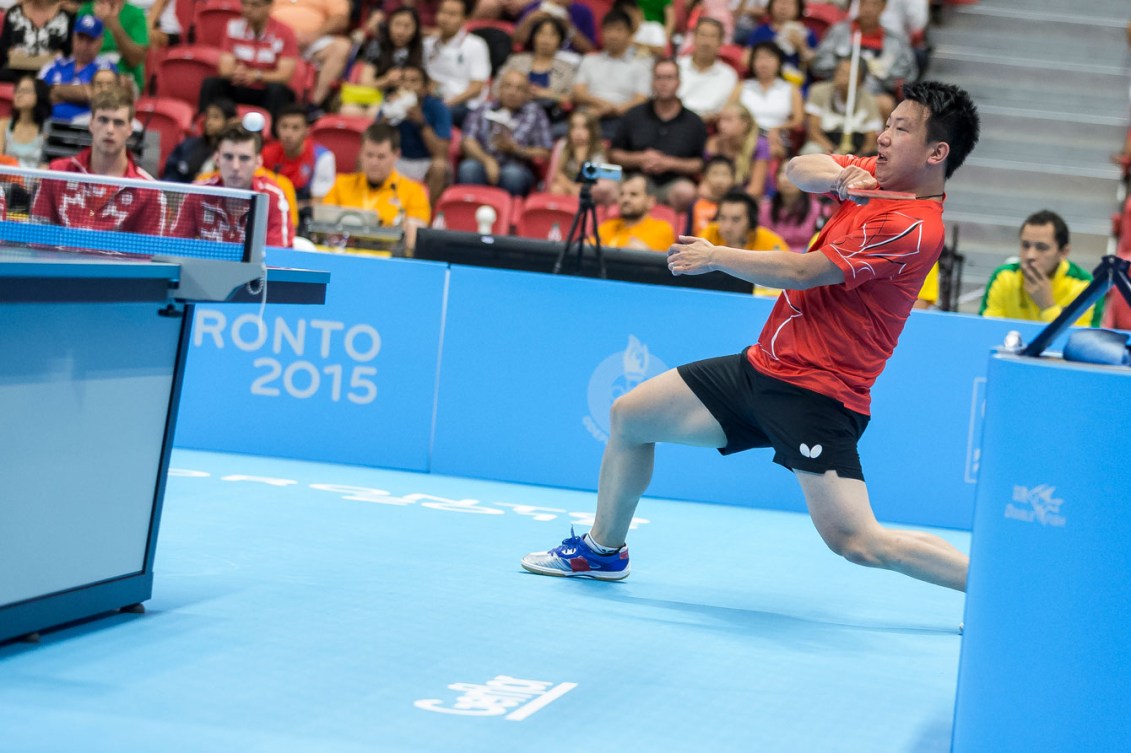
(586, 217)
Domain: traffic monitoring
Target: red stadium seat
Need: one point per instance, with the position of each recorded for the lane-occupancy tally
(7, 91)
(732, 54)
(542, 211)
(170, 118)
(302, 81)
(458, 205)
(341, 134)
(820, 16)
(184, 69)
(489, 23)
(210, 20)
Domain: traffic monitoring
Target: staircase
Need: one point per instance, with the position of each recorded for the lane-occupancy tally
(1052, 89)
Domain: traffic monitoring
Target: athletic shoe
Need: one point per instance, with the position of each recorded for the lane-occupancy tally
(575, 558)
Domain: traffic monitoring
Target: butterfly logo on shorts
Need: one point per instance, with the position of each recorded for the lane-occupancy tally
(811, 453)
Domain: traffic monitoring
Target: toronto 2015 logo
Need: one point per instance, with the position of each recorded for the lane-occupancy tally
(1036, 505)
(615, 376)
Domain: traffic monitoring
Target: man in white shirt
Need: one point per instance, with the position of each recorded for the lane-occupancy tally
(457, 61)
(706, 82)
(611, 82)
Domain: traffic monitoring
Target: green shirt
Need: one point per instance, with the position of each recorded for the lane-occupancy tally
(1005, 295)
(136, 26)
(653, 9)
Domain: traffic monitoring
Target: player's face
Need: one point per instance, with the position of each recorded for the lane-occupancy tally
(1039, 249)
(634, 201)
(109, 130)
(377, 160)
(292, 132)
(733, 223)
(237, 162)
(903, 148)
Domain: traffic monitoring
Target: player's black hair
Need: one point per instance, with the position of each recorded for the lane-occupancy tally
(954, 118)
(1049, 217)
(741, 197)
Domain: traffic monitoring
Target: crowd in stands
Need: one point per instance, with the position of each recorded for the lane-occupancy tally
(701, 102)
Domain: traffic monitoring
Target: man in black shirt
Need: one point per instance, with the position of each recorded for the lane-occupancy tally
(663, 139)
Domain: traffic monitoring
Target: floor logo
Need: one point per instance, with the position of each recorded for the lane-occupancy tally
(508, 697)
(1036, 505)
(615, 376)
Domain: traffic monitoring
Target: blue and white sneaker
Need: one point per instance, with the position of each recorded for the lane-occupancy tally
(575, 558)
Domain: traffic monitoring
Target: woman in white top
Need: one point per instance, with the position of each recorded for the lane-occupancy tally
(774, 102)
(21, 136)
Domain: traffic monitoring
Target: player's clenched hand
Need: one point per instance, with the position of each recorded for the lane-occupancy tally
(853, 177)
(691, 256)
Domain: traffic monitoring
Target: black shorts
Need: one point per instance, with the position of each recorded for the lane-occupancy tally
(808, 431)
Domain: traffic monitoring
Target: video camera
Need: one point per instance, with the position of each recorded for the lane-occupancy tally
(591, 172)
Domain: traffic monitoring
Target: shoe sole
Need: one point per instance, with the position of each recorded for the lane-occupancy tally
(595, 574)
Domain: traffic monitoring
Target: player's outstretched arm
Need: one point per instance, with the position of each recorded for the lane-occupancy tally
(820, 173)
(773, 269)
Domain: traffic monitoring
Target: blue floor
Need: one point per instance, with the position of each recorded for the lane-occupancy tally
(287, 616)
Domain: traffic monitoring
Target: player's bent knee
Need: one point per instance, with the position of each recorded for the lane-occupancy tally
(859, 550)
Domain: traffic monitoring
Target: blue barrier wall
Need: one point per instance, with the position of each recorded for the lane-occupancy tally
(529, 366)
(353, 381)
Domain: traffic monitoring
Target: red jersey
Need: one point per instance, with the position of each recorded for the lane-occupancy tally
(835, 339)
(218, 219)
(260, 52)
(97, 206)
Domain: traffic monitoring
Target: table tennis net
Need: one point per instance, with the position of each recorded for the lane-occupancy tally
(75, 211)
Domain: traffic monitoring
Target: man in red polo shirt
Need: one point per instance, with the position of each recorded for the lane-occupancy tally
(223, 220)
(93, 206)
(804, 387)
(260, 55)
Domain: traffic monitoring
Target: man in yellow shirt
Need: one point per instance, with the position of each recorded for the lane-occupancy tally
(1044, 281)
(379, 188)
(634, 228)
(736, 225)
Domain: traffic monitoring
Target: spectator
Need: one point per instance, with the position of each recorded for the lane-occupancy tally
(258, 62)
(425, 127)
(106, 79)
(69, 78)
(83, 205)
(1044, 281)
(888, 57)
(503, 141)
(425, 14)
(378, 187)
(399, 42)
(193, 156)
(719, 10)
(581, 144)
(825, 111)
(650, 37)
(634, 228)
(736, 225)
(549, 71)
(308, 165)
(21, 134)
(774, 102)
(705, 81)
(663, 139)
(577, 19)
(907, 18)
(215, 218)
(319, 26)
(613, 81)
(126, 41)
(164, 25)
(784, 28)
(718, 181)
(792, 213)
(739, 140)
(34, 34)
(457, 61)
